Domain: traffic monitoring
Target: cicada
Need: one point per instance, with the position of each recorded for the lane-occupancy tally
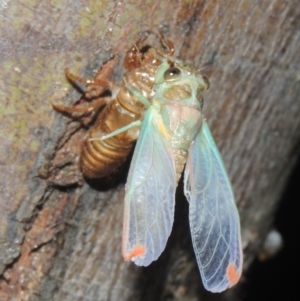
(175, 135)
(100, 157)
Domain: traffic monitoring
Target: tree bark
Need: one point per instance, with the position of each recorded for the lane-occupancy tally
(60, 238)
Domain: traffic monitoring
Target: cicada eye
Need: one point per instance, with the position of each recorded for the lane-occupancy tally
(206, 82)
(172, 74)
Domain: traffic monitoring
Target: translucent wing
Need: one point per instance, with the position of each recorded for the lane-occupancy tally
(214, 219)
(150, 194)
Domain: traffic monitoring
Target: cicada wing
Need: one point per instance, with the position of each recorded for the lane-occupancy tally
(214, 219)
(150, 194)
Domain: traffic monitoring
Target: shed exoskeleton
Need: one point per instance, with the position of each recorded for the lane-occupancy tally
(100, 158)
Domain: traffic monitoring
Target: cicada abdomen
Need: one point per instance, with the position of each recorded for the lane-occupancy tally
(100, 158)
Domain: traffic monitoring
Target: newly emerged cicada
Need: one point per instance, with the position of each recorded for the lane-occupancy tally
(100, 157)
(174, 134)
(160, 105)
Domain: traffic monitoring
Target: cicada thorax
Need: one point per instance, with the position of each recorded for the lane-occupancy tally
(179, 98)
(101, 157)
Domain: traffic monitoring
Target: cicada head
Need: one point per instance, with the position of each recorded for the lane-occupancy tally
(179, 82)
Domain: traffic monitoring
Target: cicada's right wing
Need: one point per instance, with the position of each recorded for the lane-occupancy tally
(150, 193)
(214, 219)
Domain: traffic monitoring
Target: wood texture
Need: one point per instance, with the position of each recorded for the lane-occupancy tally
(60, 238)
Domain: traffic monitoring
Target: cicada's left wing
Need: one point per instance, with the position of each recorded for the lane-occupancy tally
(214, 219)
(150, 193)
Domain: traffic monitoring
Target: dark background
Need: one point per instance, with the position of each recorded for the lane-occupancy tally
(278, 278)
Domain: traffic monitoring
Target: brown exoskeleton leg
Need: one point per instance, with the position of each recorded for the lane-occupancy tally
(81, 111)
(93, 87)
(168, 44)
(93, 90)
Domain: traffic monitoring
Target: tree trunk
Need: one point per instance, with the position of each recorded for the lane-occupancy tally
(60, 238)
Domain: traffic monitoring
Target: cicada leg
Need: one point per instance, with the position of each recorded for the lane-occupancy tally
(78, 112)
(140, 97)
(92, 89)
(166, 43)
(119, 131)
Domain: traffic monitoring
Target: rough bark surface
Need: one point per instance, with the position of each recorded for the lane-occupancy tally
(61, 239)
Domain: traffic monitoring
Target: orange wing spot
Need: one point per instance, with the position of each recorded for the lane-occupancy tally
(232, 274)
(137, 251)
